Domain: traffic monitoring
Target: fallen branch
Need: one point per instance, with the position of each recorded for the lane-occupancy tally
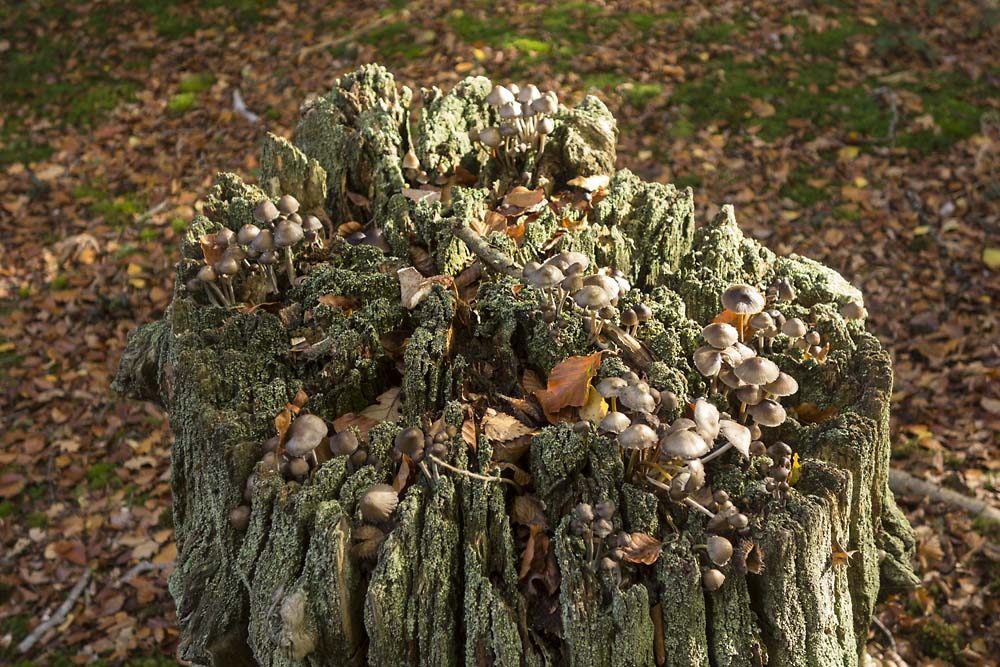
(58, 617)
(490, 256)
(903, 482)
(139, 568)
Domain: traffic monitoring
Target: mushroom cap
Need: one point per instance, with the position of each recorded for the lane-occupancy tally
(750, 394)
(378, 503)
(547, 103)
(344, 443)
(683, 444)
(720, 335)
(409, 441)
(708, 361)
(762, 321)
(287, 233)
(737, 434)
(720, 550)
(583, 512)
(637, 436)
(410, 160)
(545, 277)
(784, 385)
(572, 283)
(681, 424)
(288, 204)
(768, 413)
(611, 387)
(637, 398)
(783, 289)
(265, 211)
(312, 224)
(511, 109)
(615, 422)
(568, 258)
(757, 370)
(239, 517)
(607, 283)
(852, 310)
(528, 94)
(592, 297)
(794, 328)
(629, 318)
(263, 242)
(206, 274)
(712, 579)
(499, 96)
(305, 434)
(247, 234)
(743, 299)
(706, 418)
(728, 378)
(546, 125)
(298, 468)
(490, 137)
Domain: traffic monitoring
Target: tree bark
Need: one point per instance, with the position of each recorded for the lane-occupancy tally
(444, 588)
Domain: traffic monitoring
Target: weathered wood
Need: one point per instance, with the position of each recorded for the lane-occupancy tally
(444, 588)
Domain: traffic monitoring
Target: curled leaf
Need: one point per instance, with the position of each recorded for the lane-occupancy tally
(642, 549)
(568, 384)
(502, 427)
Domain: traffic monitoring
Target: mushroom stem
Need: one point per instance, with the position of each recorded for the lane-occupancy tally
(217, 293)
(717, 453)
(289, 266)
(274, 279)
(694, 504)
(426, 472)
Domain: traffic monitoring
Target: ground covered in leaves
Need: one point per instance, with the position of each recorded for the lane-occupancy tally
(864, 136)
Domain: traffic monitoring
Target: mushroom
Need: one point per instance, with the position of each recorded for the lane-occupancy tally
(592, 298)
(720, 550)
(606, 283)
(637, 398)
(737, 436)
(708, 361)
(720, 335)
(781, 290)
(683, 444)
(225, 269)
(239, 517)
(630, 321)
(206, 277)
(288, 204)
(378, 503)
(768, 413)
(744, 300)
(344, 443)
(852, 310)
(247, 234)
(784, 385)
(490, 137)
(409, 441)
(706, 419)
(312, 228)
(637, 436)
(287, 234)
(298, 468)
(712, 579)
(614, 423)
(794, 328)
(757, 370)
(305, 434)
(499, 96)
(410, 161)
(265, 211)
(749, 394)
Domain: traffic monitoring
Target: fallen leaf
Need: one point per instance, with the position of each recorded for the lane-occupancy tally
(643, 549)
(796, 472)
(590, 183)
(527, 510)
(762, 109)
(568, 384)
(595, 408)
(387, 408)
(522, 197)
(991, 258)
(414, 288)
(502, 427)
(11, 484)
(810, 413)
(68, 550)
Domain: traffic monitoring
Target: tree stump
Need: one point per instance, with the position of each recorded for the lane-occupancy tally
(417, 306)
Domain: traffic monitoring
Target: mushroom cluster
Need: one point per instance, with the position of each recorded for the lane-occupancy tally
(525, 120)
(604, 548)
(633, 415)
(260, 246)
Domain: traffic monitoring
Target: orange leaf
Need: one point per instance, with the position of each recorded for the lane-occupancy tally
(11, 484)
(522, 197)
(403, 475)
(568, 384)
(211, 252)
(69, 550)
(727, 317)
(301, 398)
(516, 232)
(282, 422)
(810, 413)
(469, 433)
(643, 549)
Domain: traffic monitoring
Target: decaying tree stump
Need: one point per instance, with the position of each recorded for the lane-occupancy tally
(475, 571)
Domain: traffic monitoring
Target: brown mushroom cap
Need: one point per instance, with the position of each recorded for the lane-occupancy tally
(712, 579)
(636, 398)
(305, 434)
(637, 436)
(683, 444)
(247, 234)
(239, 517)
(852, 310)
(298, 468)
(499, 96)
(708, 361)
(568, 258)
(784, 385)
(592, 297)
(409, 441)
(288, 204)
(757, 370)
(287, 233)
(606, 283)
(743, 299)
(720, 550)
(762, 321)
(265, 211)
(794, 328)
(615, 422)
(720, 335)
(737, 434)
(344, 443)
(768, 413)
(611, 387)
(750, 394)
(378, 503)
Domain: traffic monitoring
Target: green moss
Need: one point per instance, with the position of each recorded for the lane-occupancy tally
(529, 45)
(640, 94)
(940, 640)
(101, 474)
(564, 19)
(394, 40)
(831, 41)
(117, 210)
(59, 282)
(179, 225)
(36, 520)
(474, 29)
(7, 508)
(687, 181)
(182, 103)
(798, 189)
(196, 83)
(716, 33)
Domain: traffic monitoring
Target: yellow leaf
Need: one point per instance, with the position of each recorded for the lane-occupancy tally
(796, 472)
(991, 258)
(479, 54)
(134, 270)
(847, 153)
(568, 384)
(860, 182)
(595, 408)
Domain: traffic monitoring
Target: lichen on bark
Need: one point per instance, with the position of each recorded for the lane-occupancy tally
(454, 581)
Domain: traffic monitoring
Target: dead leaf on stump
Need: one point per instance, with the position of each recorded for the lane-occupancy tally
(568, 384)
(643, 549)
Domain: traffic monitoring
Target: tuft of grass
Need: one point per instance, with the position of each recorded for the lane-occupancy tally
(641, 94)
(118, 211)
(101, 474)
(714, 33)
(60, 282)
(7, 508)
(36, 520)
(797, 187)
(197, 83)
(182, 103)
(395, 41)
(940, 640)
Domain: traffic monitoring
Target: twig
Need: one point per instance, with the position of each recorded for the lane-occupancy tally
(139, 568)
(904, 482)
(240, 107)
(58, 617)
(885, 631)
(473, 475)
(492, 257)
(151, 212)
(347, 37)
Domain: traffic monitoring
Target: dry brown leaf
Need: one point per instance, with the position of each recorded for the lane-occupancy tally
(530, 382)
(387, 408)
(211, 252)
(590, 183)
(414, 288)
(68, 550)
(643, 549)
(528, 511)
(810, 413)
(347, 303)
(522, 197)
(469, 433)
(502, 427)
(403, 474)
(11, 484)
(568, 383)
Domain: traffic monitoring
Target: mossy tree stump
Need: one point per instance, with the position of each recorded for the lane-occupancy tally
(446, 585)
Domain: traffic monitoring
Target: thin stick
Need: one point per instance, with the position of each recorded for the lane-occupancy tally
(473, 475)
(57, 618)
(492, 257)
(143, 566)
(905, 483)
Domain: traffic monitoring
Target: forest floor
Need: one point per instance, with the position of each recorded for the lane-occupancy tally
(865, 135)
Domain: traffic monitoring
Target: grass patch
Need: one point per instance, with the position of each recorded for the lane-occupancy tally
(687, 181)
(197, 83)
(36, 520)
(394, 41)
(182, 103)
(940, 640)
(118, 211)
(7, 508)
(714, 33)
(473, 29)
(797, 187)
(529, 45)
(641, 94)
(173, 19)
(101, 474)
